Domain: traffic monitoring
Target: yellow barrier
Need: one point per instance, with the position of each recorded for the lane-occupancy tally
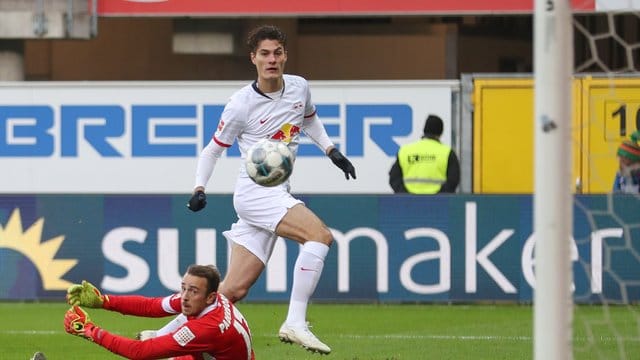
(605, 111)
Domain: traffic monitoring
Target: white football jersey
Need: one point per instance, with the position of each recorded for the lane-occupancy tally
(251, 115)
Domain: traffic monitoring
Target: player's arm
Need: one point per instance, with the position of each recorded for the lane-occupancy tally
(87, 295)
(143, 306)
(231, 123)
(206, 163)
(189, 339)
(315, 130)
(78, 323)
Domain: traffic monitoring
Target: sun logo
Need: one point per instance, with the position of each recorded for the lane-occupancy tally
(41, 254)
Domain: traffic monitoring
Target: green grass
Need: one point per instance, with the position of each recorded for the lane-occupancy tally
(354, 332)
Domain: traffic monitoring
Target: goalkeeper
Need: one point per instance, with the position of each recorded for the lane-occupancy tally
(213, 327)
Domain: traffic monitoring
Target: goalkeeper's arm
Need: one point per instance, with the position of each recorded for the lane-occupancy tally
(78, 323)
(87, 295)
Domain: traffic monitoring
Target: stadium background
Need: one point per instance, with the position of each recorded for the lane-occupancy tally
(472, 248)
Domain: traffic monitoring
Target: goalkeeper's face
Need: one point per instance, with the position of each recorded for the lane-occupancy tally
(194, 295)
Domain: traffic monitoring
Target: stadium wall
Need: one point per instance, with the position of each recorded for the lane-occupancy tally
(460, 248)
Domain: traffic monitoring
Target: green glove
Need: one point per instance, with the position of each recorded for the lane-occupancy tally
(77, 322)
(85, 294)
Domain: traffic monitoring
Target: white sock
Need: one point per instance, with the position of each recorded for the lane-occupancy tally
(306, 274)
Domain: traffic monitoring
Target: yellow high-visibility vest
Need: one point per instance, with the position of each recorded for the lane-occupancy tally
(424, 165)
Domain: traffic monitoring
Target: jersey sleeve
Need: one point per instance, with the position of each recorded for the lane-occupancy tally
(207, 162)
(232, 121)
(144, 306)
(309, 107)
(312, 125)
(187, 340)
(192, 338)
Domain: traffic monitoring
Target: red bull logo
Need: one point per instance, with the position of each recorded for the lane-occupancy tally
(287, 133)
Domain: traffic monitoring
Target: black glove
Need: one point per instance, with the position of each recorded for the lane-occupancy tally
(343, 163)
(198, 201)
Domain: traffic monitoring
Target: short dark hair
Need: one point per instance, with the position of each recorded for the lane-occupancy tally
(209, 272)
(265, 32)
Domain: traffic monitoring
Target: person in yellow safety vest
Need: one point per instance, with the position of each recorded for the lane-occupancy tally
(426, 166)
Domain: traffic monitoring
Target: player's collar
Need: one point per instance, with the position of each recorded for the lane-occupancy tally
(256, 89)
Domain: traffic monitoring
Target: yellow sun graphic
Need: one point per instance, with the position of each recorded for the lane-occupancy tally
(40, 253)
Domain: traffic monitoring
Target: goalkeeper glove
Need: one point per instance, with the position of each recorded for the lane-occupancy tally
(77, 322)
(198, 201)
(343, 163)
(85, 294)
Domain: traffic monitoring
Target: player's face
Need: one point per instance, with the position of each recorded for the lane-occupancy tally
(194, 295)
(269, 59)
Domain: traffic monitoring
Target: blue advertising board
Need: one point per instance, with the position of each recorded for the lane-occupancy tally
(388, 248)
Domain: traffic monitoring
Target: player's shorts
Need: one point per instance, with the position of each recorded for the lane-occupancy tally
(260, 209)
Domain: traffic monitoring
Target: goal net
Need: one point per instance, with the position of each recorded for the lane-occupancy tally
(603, 50)
(607, 56)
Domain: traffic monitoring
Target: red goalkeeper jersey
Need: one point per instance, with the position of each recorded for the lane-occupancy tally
(219, 332)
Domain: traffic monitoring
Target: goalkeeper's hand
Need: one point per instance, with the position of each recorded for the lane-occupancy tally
(85, 294)
(198, 201)
(77, 322)
(343, 163)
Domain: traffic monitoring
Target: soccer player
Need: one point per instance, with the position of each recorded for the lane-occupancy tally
(213, 327)
(276, 106)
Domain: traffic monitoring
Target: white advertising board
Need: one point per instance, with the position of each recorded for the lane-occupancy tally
(144, 137)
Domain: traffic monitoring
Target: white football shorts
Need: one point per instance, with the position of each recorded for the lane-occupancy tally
(259, 210)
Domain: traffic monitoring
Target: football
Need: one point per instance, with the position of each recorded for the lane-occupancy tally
(269, 162)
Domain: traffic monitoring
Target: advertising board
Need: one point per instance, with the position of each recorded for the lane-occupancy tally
(331, 7)
(128, 137)
(387, 248)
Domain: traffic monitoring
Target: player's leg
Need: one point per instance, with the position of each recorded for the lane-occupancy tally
(302, 225)
(275, 210)
(243, 271)
(250, 246)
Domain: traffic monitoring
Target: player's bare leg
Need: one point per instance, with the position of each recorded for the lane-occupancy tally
(302, 225)
(243, 271)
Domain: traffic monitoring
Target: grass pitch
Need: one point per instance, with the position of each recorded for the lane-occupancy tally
(354, 332)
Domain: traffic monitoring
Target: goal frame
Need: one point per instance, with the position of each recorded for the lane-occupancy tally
(553, 198)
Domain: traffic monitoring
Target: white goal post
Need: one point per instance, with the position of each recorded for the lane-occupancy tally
(553, 199)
